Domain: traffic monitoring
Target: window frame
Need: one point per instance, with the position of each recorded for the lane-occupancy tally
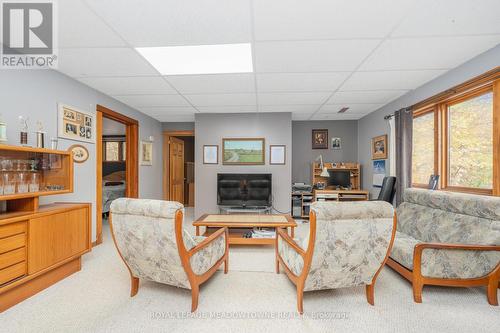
(423, 112)
(488, 82)
(446, 138)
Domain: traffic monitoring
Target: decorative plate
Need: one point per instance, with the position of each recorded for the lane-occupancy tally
(80, 153)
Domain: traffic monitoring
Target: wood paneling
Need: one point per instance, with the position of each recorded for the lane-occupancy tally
(52, 238)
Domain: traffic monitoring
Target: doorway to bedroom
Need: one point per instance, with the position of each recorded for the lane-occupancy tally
(116, 158)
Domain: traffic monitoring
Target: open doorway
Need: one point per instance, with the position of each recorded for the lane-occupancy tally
(179, 167)
(116, 161)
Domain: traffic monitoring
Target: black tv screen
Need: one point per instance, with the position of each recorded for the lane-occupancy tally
(244, 189)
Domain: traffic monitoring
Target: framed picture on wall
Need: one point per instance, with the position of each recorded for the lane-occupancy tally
(243, 151)
(379, 147)
(277, 154)
(146, 153)
(336, 143)
(319, 139)
(210, 154)
(75, 124)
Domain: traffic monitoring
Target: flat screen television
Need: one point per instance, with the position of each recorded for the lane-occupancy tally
(244, 189)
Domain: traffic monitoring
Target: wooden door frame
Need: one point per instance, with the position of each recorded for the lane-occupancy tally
(166, 158)
(131, 160)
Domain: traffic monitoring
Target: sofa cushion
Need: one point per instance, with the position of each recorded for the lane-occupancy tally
(292, 259)
(402, 249)
(204, 259)
(436, 216)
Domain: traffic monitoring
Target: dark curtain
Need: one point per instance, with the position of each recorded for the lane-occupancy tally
(404, 134)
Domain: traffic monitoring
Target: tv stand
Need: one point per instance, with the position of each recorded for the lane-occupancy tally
(246, 210)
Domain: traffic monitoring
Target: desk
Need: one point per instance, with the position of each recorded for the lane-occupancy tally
(340, 195)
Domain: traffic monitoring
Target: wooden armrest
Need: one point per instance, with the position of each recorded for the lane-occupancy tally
(419, 248)
(284, 235)
(207, 241)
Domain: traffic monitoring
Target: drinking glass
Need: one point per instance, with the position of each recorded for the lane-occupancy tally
(9, 183)
(22, 182)
(34, 185)
(6, 164)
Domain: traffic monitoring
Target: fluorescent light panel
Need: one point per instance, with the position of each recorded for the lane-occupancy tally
(200, 59)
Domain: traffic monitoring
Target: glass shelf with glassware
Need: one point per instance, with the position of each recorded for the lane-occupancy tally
(31, 172)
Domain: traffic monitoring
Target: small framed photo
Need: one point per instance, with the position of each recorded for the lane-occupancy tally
(336, 143)
(277, 154)
(146, 153)
(319, 139)
(75, 124)
(210, 154)
(379, 147)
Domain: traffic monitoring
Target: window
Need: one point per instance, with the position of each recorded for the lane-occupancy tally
(470, 142)
(114, 149)
(423, 147)
(456, 135)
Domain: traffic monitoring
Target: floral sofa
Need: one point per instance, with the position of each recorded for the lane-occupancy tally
(449, 239)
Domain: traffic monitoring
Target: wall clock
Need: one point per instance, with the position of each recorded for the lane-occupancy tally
(80, 153)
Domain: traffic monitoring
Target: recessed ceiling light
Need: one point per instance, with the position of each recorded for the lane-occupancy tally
(200, 59)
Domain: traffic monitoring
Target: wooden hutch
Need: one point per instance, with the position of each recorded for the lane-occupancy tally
(39, 244)
(353, 194)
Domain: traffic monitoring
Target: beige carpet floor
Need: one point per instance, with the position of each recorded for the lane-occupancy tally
(251, 298)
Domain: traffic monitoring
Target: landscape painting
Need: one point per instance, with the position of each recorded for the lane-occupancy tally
(243, 151)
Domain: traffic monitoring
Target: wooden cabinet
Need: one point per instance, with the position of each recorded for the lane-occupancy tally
(56, 237)
(39, 245)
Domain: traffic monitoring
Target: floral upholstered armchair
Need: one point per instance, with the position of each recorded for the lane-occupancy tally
(448, 239)
(150, 239)
(347, 246)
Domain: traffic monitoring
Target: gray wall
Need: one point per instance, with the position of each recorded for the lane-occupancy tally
(276, 128)
(178, 126)
(35, 93)
(374, 124)
(347, 130)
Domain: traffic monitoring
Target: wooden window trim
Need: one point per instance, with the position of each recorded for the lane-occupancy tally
(487, 82)
(423, 112)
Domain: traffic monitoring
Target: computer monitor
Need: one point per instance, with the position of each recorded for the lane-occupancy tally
(340, 178)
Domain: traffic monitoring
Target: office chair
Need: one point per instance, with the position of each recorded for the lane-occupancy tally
(388, 190)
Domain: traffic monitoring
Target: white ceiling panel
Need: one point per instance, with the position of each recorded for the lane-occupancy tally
(293, 98)
(172, 118)
(283, 82)
(222, 99)
(83, 62)
(300, 116)
(326, 19)
(213, 83)
(227, 109)
(346, 116)
(451, 17)
(302, 108)
(140, 101)
(132, 85)
(80, 27)
(428, 53)
(371, 97)
(161, 110)
(173, 22)
(390, 79)
(311, 56)
(353, 108)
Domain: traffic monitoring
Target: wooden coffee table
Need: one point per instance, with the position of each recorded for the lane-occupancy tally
(238, 224)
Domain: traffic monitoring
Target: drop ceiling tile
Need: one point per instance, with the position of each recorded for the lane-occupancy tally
(170, 22)
(390, 79)
(228, 109)
(80, 27)
(222, 99)
(172, 118)
(346, 116)
(297, 116)
(171, 110)
(283, 82)
(319, 19)
(132, 85)
(451, 17)
(213, 83)
(83, 62)
(293, 98)
(311, 56)
(428, 53)
(370, 97)
(353, 108)
(297, 108)
(143, 101)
